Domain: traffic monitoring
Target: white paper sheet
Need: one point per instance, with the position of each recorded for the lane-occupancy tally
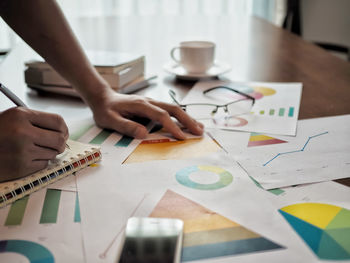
(63, 238)
(275, 111)
(325, 207)
(320, 152)
(111, 194)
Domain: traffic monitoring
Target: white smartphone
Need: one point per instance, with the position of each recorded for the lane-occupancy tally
(156, 240)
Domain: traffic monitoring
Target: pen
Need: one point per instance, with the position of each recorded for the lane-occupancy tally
(13, 97)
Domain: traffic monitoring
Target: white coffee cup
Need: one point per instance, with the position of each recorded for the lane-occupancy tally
(195, 56)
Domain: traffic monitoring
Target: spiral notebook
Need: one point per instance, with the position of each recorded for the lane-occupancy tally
(77, 157)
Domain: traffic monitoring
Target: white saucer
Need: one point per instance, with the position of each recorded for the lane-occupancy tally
(217, 69)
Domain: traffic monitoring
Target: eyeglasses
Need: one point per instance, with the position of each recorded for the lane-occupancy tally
(242, 105)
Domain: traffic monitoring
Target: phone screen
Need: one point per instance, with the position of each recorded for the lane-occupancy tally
(152, 240)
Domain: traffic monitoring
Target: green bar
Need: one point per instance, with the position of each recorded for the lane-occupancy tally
(50, 209)
(101, 137)
(262, 112)
(77, 218)
(272, 112)
(276, 191)
(291, 112)
(124, 141)
(77, 134)
(281, 112)
(16, 213)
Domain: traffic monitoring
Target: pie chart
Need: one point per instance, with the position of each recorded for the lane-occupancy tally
(325, 228)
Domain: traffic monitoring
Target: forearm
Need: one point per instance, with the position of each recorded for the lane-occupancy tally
(43, 26)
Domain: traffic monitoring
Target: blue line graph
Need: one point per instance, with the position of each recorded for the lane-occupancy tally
(301, 150)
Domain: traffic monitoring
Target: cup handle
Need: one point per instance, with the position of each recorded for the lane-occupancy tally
(172, 54)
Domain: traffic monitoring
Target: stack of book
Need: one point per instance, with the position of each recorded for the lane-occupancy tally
(123, 71)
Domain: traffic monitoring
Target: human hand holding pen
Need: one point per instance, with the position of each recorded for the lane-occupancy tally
(28, 140)
(13, 97)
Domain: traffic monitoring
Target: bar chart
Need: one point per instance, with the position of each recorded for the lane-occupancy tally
(277, 112)
(49, 211)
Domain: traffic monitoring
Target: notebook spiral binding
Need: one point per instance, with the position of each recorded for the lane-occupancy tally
(49, 176)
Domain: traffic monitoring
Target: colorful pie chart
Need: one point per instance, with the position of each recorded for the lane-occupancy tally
(324, 228)
(34, 252)
(224, 177)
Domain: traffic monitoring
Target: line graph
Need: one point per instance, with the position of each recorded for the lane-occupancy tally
(301, 150)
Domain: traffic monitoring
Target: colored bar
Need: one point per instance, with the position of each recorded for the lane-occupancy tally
(124, 141)
(230, 248)
(272, 112)
(262, 112)
(101, 137)
(76, 135)
(77, 218)
(276, 191)
(50, 208)
(227, 234)
(16, 213)
(281, 112)
(291, 112)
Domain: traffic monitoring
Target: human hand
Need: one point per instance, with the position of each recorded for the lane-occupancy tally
(114, 111)
(28, 140)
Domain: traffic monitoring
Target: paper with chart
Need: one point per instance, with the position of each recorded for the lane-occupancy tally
(158, 144)
(218, 190)
(320, 152)
(275, 111)
(42, 227)
(111, 142)
(321, 221)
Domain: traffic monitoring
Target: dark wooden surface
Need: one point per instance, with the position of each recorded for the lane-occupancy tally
(286, 57)
(256, 49)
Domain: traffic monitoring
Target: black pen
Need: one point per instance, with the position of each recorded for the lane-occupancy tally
(13, 97)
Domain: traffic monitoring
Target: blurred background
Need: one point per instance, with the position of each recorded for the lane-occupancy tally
(324, 22)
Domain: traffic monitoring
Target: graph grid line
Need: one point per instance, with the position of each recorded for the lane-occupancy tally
(301, 150)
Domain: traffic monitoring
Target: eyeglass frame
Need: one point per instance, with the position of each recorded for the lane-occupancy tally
(172, 94)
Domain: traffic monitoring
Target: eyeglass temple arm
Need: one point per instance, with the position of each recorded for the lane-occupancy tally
(173, 96)
(231, 89)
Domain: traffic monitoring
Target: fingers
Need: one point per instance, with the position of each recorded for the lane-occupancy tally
(41, 153)
(116, 117)
(49, 121)
(128, 127)
(37, 165)
(175, 111)
(160, 115)
(49, 139)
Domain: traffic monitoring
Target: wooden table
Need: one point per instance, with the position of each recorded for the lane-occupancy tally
(256, 49)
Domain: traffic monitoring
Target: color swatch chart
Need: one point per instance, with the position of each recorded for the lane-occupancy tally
(208, 234)
(280, 112)
(258, 139)
(325, 228)
(49, 211)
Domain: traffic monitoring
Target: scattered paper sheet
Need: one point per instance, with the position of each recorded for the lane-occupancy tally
(110, 194)
(275, 111)
(319, 214)
(320, 152)
(44, 226)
